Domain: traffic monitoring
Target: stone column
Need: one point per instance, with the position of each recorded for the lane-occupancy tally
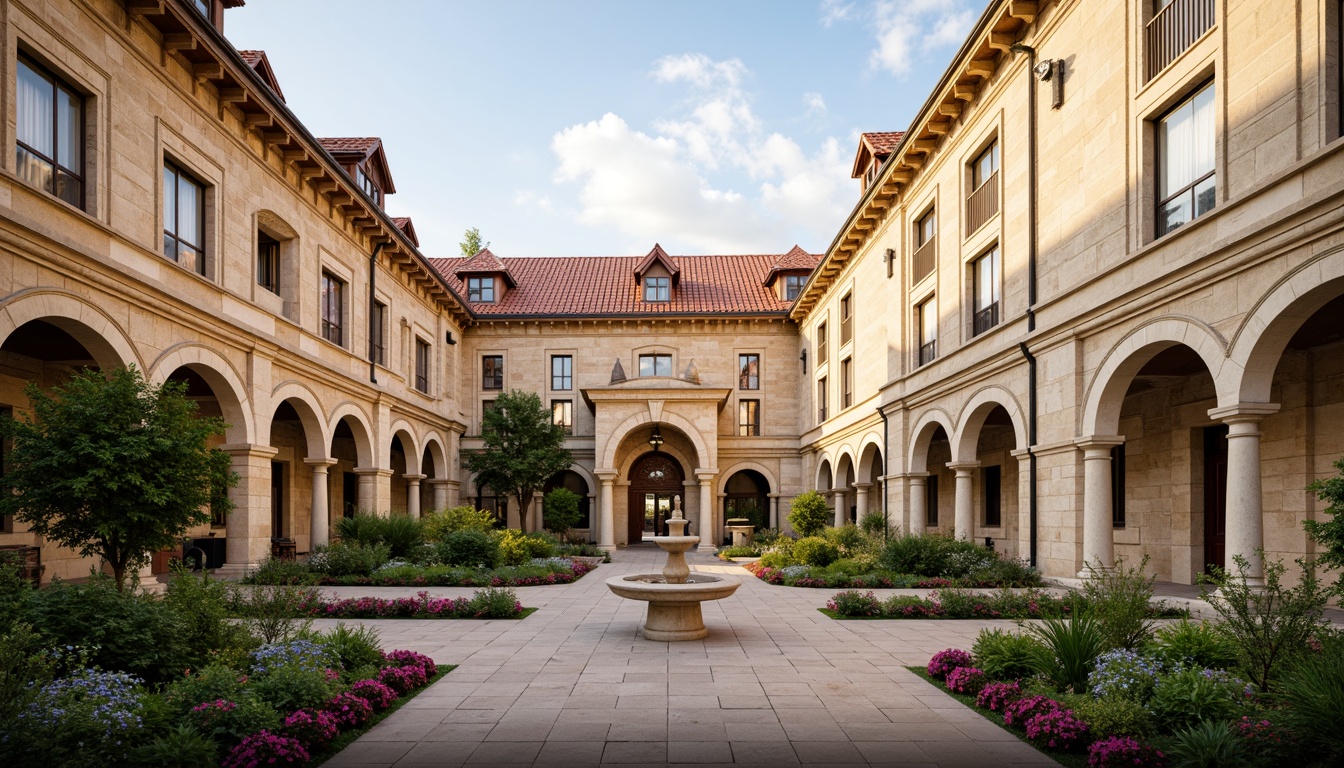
(1245, 514)
(774, 510)
(964, 520)
(861, 500)
(1098, 522)
(838, 505)
(248, 527)
(919, 503)
(706, 478)
(606, 529)
(320, 531)
(440, 493)
(375, 490)
(413, 495)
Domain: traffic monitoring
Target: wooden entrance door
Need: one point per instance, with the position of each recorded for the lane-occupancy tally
(655, 478)
(1215, 496)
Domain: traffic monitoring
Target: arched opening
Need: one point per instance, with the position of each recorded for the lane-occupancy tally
(931, 509)
(846, 498)
(356, 492)
(655, 479)
(870, 483)
(289, 437)
(400, 488)
(574, 483)
(996, 481)
(747, 496)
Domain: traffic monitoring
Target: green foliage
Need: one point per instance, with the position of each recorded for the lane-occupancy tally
(1268, 625)
(847, 538)
(180, 747)
(808, 513)
(513, 547)
(400, 534)
(355, 648)
(815, 551)
(1113, 716)
(560, 511)
(493, 603)
(1329, 534)
(1312, 696)
(1192, 644)
(1005, 655)
(776, 560)
(522, 448)
(278, 570)
(14, 588)
(25, 665)
(1187, 696)
(346, 558)
(128, 632)
(467, 518)
(471, 243)
(114, 467)
(210, 683)
(228, 728)
(940, 555)
(268, 611)
(1069, 650)
(1119, 597)
(873, 524)
(291, 686)
(1207, 744)
(469, 548)
(202, 603)
(728, 553)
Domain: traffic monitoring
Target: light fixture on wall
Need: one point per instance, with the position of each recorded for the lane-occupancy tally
(803, 356)
(656, 439)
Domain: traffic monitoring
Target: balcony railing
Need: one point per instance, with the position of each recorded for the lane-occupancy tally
(928, 352)
(985, 319)
(1174, 29)
(982, 204)
(925, 258)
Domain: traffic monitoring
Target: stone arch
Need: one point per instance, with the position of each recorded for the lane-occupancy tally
(844, 466)
(1106, 392)
(676, 453)
(310, 415)
(618, 435)
(276, 224)
(871, 454)
(227, 385)
(409, 444)
(363, 432)
(104, 339)
(769, 475)
(1263, 336)
(434, 446)
(925, 427)
(825, 468)
(972, 420)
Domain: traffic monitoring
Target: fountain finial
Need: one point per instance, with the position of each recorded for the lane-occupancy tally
(676, 524)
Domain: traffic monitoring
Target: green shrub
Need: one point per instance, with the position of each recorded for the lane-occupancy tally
(776, 560)
(470, 548)
(348, 559)
(354, 648)
(268, 611)
(1119, 597)
(808, 513)
(277, 570)
(209, 683)
(1113, 717)
(494, 603)
(845, 567)
(873, 525)
(363, 528)
(855, 603)
(541, 545)
(815, 551)
(438, 525)
(560, 511)
(228, 726)
(202, 603)
(1207, 744)
(1005, 655)
(291, 687)
(1005, 571)
(14, 588)
(933, 554)
(847, 538)
(513, 548)
(180, 747)
(402, 534)
(743, 551)
(1312, 695)
(1268, 625)
(1069, 650)
(1192, 644)
(26, 664)
(1184, 698)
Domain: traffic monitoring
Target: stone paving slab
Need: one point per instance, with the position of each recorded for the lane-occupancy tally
(776, 683)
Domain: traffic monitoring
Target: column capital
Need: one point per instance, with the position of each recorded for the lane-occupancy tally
(320, 466)
(706, 475)
(1099, 442)
(963, 466)
(413, 478)
(249, 450)
(372, 471)
(607, 476)
(1243, 412)
(440, 482)
(774, 495)
(862, 485)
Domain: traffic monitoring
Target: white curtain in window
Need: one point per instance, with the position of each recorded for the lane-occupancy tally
(189, 206)
(69, 151)
(34, 96)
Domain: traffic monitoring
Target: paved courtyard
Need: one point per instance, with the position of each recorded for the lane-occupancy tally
(776, 683)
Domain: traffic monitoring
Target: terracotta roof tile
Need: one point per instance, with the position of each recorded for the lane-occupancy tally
(796, 260)
(262, 66)
(404, 224)
(350, 146)
(601, 285)
(883, 142)
(658, 256)
(484, 263)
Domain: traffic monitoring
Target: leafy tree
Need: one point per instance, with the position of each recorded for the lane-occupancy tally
(808, 513)
(471, 243)
(523, 447)
(113, 466)
(1330, 533)
(560, 511)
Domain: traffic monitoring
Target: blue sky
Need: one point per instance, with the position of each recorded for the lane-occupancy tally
(598, 127)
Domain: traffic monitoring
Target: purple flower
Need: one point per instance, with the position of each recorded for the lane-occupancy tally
(946, 661)
(967, 680)
(265, 748)
(350, 709)
(997, 696)
(1020, 712)
(311, 728)
(1119, 751)
(1057, 729)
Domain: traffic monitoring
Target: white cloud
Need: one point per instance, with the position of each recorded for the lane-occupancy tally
(816, 106)
(904, 30)
(835, 10)
(713, 177)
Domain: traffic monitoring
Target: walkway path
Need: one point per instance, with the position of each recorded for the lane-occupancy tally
(776, 683)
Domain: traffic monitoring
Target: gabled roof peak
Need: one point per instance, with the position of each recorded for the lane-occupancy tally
(796, 260)
(262, 66)
(658, 256)
(485, 263)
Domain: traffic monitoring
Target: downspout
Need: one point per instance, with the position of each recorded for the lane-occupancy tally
(886, 449)
(1031, 290)
(373, 300)
(1031, 445)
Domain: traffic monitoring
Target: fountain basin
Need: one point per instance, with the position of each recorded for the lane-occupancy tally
(674, 609)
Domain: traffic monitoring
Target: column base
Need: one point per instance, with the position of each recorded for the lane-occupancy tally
(675, 622)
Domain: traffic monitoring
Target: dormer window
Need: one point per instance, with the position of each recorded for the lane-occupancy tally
(481, 289)
(369, 187)
(205, 7)
(793, 285)
(657, 289)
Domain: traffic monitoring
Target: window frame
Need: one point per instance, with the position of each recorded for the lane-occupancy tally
(991, 149)
(180, 175)
(268, 262)
(378, 336)
(846, 318)
(749, 381)
(492, 372)
(655, 357)
(926, 310)
(931, 500)
(823, 343)
(793, 284)
(332, 295)
(58, 84)
(749, 417)
(823, 399)
(930, 217)
(567, 411)
(1160, 152)
(423, 360)
(479, 287)
(566, 377)
(364, 180)
(847, 383)
(661, 288)
(991, 310)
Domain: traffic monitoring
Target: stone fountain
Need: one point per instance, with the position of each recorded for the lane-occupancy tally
(675, 595)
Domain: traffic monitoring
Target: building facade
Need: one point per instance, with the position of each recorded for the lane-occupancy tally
(1087, 305)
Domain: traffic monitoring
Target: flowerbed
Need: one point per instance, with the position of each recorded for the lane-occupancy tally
(490, 603)
(541, 572)
(953, 603)
(824, 578)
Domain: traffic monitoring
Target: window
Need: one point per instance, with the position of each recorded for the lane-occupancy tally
(657, 289)
(846, 382)
(793, 285)
(992, 482)
(368, 186)
(562, 415)
(926, 228)
(823, 353)
(655, 365)
(481, 289)
(268, 262)
(985, 274)
(422, 366)
(931, 501)
(927, 322)
(333, 309)
(50, 128)
(1118, 486)
(985, 165)
(492, 372)
(846, 319)
(926, 248)
(983, 201)
(378, 335)
(1185, 159)
(183, 219)
(748, 371)
(749, 418)
(562, 372)
(821, 399)
(205, 8)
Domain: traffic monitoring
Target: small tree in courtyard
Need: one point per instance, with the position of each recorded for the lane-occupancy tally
(113, 466)
(808, 513)
(560, 511)
(1330, 533)
(523, 447)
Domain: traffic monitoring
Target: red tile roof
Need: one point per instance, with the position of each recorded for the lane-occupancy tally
(404, 224)
(658, 256)
(262, 66)
(350, 146)
(587, 286)
(796, 260)
(484, 263)
(883, 142)
(357, 150)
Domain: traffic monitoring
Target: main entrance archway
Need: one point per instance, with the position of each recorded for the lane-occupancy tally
(655, 478)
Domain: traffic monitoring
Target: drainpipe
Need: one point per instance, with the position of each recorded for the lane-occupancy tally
(886, 448)
(373, 284)
(1031, 443)
(1031, 182)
